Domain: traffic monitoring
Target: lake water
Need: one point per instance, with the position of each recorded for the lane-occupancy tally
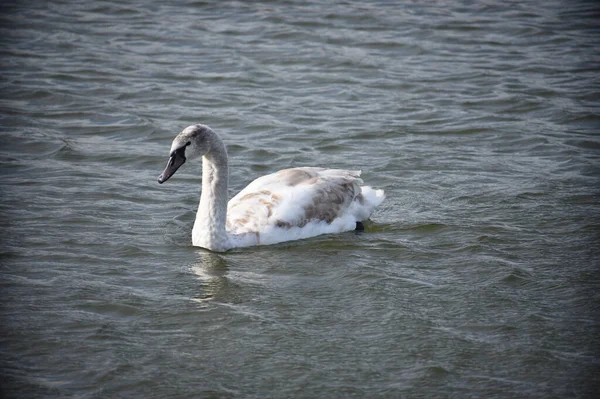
(477, 277)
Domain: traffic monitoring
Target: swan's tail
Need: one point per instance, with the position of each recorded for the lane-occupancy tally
(371, 198)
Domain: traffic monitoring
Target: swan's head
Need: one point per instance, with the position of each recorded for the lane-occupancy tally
(192, 142)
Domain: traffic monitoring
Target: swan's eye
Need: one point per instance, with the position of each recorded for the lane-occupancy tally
(188, 143)
(179, 151)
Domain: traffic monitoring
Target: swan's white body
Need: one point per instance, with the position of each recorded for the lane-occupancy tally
(287, 205)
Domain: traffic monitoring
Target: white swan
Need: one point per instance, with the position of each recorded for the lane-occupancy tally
(287, 205)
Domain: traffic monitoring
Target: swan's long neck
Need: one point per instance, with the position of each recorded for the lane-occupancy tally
(209, 228)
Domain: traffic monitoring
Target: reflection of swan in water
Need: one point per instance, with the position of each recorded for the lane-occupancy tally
(211, 269)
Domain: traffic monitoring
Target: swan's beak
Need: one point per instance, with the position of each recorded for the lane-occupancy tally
(176, 160)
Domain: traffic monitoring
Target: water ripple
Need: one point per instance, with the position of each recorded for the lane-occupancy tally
(479, 120)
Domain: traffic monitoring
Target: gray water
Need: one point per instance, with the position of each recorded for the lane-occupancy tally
(477, 277)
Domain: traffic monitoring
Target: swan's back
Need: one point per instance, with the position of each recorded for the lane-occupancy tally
(299, 203)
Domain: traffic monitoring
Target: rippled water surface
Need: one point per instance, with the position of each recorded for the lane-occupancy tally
(477, 277)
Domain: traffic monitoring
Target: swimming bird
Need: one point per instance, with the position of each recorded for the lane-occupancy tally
(287, 205)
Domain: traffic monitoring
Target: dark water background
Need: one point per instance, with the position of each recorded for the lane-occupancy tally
(478, 276)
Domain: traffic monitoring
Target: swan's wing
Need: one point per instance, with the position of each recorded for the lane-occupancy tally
(294, 197)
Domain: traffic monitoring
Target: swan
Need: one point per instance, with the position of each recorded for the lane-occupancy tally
(287, 205)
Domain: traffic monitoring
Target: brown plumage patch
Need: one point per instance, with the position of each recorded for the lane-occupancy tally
(293, 177)
(248, 221)
(247, 197)
(276, 197)
(268, 205)
(242, 220)
(327, 204)
(313, 180)
(252, 195)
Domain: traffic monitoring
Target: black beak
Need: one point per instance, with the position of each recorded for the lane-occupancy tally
(175, 161)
